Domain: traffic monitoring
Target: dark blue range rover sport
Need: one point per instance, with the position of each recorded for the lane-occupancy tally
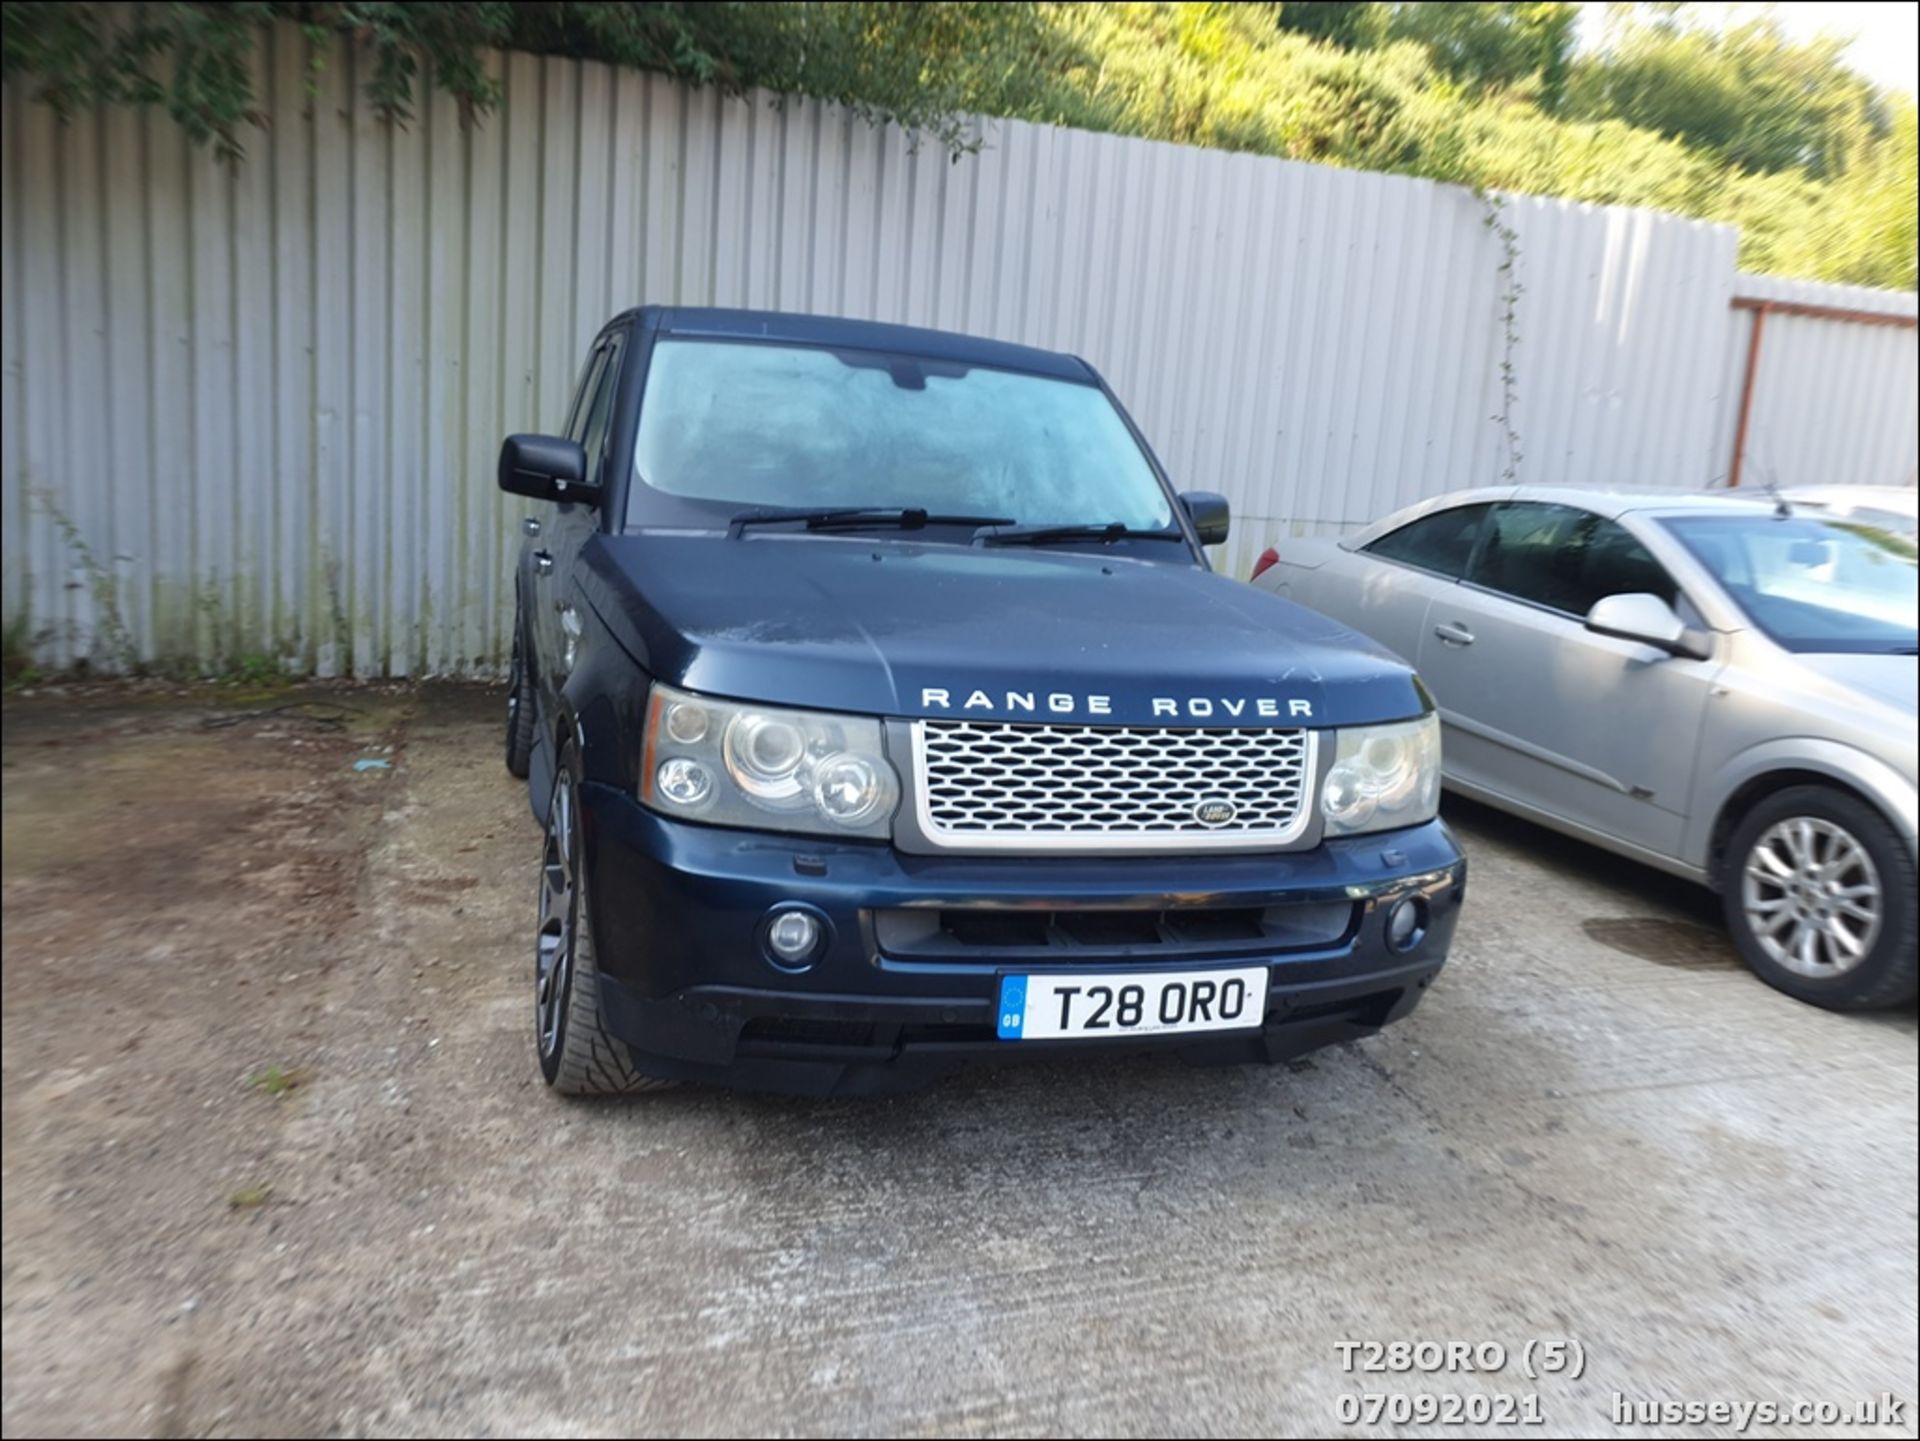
(883, 713)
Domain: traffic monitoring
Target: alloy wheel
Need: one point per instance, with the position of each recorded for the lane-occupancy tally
(1811, 896)
(559, 912)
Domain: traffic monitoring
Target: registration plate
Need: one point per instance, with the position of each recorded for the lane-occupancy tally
(1038, 1008)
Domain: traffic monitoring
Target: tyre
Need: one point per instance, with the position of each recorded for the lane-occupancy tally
(1819, 896)
(577, 1056)
(520, 708)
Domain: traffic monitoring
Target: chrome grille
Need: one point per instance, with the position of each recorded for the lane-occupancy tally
(986, 785)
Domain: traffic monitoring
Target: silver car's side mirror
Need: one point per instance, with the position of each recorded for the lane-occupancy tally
(1642, 616)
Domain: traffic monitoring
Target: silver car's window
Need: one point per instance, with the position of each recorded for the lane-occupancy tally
(1811, 583)
(1441, 542)
(1565, 558)
(734, 425)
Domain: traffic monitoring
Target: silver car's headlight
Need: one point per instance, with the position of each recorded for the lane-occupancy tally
(733, 763)
(1383, 777)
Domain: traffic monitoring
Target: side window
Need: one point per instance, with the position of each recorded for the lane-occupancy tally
(1565, 558)
(1441, 542)
(1617, 564)
(593, 436)
(589, 377)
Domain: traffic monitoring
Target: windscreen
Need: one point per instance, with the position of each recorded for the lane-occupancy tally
(1810, 583)
(733, 425)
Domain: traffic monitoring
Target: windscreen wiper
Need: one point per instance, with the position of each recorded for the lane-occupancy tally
(1049, 534)
(858, 518)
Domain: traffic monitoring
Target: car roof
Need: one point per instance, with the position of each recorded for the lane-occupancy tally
(827, 330)
(1610, 501)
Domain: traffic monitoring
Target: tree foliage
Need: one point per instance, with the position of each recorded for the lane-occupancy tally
(195, 59)
(1814, 164)
(1355, 24)
(1817, 170)
(926, 66)
(1494, 46)
(1747, 95)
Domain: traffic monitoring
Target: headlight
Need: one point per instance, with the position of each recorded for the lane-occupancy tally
(730, 763)
(1383, 777)
(764, 755)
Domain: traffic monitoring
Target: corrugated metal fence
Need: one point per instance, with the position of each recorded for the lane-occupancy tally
(1836, 401)
(254, 411)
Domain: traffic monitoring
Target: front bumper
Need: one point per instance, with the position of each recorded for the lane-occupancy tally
(679, 910)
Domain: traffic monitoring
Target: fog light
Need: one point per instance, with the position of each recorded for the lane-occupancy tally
(792, 937)
(1406, 924)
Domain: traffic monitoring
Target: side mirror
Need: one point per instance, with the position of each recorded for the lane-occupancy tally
(546, 467)
(1209, 515)
(1642, 616)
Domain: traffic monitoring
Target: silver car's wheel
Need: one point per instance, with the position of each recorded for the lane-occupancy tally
(1812, 896)
(1820, 898)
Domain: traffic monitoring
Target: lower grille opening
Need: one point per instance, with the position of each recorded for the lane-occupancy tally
(1084, 934)
(937, 1033)
(995, 928)
(1365, 1011)
(1111, 928)
(804, 1030)
(1204, 927)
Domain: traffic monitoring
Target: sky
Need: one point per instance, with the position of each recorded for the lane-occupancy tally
(1888, 31)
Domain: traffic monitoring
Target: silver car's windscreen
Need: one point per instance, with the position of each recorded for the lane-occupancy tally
(1812, 584)
(728, 425)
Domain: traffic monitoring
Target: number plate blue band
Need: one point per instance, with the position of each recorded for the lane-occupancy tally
(1013, 1006)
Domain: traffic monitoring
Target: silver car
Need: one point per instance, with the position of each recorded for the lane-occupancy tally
(1720, 687)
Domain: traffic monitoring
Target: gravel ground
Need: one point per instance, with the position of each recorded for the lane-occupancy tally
(276, 1159)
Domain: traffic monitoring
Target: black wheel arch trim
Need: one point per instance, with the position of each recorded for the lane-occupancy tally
(1755, 790)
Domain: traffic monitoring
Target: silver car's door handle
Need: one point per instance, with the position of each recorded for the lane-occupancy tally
(543, 562)
(1453, 633)
(530, 526)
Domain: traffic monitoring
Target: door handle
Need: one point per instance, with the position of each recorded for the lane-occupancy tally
(530, 526)
(1453, 633)
(543, 561)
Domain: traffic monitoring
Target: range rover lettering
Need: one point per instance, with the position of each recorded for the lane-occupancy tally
(882, 713)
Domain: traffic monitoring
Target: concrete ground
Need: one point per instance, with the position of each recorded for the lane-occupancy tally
(276, 1158)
